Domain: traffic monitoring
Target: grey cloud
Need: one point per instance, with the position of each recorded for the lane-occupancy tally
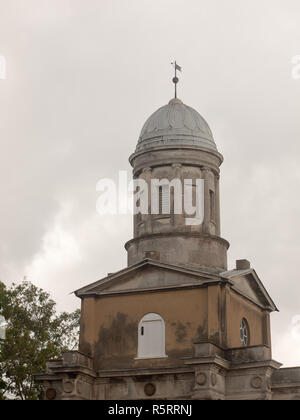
(82, 79)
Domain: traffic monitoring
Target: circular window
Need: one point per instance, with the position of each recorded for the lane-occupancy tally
(244, 332)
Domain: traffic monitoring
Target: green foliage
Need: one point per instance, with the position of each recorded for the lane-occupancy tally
(35, 333)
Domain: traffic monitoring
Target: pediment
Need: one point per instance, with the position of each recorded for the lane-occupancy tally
(249, 288)
(148, 275)
(248, 284)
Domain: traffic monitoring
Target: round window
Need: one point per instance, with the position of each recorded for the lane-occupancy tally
(244, 332)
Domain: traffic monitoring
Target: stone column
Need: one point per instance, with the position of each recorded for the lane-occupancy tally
(210, 369)
(147, 176)
(177, 219)
(217, 205)
(206, 223)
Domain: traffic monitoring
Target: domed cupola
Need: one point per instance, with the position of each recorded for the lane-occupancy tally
(175, 153)
(176, 124)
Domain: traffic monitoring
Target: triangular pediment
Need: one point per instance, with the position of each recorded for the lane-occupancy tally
(148, 275)
(248, 284)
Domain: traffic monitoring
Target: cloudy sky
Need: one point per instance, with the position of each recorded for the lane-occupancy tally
(81, 79)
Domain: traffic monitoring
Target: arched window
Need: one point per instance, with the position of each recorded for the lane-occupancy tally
(2, 68)
(244, 333)
(151, 337)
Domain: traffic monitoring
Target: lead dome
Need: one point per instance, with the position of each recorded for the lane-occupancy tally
(176, 124)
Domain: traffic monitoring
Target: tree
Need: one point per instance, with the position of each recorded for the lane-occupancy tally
(35, 333)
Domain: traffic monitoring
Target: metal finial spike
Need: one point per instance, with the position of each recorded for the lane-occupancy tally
(175, 79)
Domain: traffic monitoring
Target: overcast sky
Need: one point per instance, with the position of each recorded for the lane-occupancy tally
(83, 76)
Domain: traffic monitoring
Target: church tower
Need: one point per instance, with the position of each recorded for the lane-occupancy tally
(176, 143)
(175, 323)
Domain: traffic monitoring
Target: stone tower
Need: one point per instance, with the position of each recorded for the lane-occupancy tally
(177, 143)
(175, 323)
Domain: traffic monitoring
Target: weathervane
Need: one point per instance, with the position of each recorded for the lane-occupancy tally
(175, 79)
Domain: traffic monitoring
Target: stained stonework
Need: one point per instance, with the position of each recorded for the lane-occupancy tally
(178, 272)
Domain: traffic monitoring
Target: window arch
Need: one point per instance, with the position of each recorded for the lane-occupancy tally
(151, 337)
(244, 332)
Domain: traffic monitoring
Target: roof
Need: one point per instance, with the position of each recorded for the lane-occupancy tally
(139, 278)
(176, 124)
(249, 284)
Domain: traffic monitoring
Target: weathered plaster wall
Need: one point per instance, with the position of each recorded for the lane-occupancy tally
(111, 325)
(87, 326)
(239, 308)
